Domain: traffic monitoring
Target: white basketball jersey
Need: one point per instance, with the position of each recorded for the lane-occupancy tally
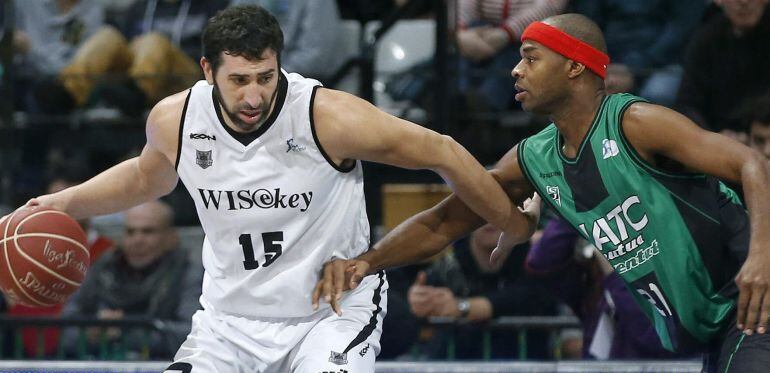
(274, 210)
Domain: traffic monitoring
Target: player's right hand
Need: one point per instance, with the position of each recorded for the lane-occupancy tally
(338, 276)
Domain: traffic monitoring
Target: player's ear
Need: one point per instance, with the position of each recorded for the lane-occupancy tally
(574, 69)
(208, 70)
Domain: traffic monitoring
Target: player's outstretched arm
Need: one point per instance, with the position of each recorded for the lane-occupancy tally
(350, 128)
(654, 130)
(421, 236)
(134, 181)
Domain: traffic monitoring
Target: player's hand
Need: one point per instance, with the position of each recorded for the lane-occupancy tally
(338, 276)
(55, 201)
(506, 242)
(753, 281)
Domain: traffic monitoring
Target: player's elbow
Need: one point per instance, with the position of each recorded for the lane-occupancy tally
(754, 163)
(447, 151)
(153, 185)
(167, 186)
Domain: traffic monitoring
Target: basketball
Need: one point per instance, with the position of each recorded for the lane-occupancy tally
(44, 256)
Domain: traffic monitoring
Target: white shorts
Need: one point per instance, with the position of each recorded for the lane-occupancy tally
(321, 342)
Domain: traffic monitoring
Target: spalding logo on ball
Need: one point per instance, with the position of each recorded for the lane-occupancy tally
(44, 257)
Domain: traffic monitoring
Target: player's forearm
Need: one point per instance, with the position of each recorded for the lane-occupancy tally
(116, 189)
(755, 177)
(481, 192)
(475, 186)
(412, 241)
(423, 235)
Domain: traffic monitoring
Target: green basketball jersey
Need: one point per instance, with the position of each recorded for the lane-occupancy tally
(677, 240)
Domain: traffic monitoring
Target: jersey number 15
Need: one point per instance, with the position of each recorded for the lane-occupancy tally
(273, 249)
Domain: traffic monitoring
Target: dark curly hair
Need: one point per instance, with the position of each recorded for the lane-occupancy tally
(245, 31)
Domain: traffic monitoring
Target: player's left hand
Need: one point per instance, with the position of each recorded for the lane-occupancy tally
(338, 276)
(753, 281)
(506, 242)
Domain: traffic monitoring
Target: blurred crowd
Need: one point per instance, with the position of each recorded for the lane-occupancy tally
(110, 59)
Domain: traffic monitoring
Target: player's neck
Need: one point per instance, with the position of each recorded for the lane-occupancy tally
(574, 117)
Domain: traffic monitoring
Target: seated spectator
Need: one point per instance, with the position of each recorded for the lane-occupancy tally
(97, 245)
(311, 33)
(614, 327)
(464, 285)
(644, 40)
(154, 54)
(148, 276)
(726, 66)
(47, 36)
(400, 328)
(488, 41)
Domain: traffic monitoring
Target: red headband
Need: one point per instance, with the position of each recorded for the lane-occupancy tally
(567, 46)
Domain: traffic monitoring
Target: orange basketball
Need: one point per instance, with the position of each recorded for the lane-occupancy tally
(43, 257)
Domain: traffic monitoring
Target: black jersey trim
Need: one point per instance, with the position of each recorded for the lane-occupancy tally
(520, 159)
(525, 170)
(705, 215)
(369, 328)
(318, 142)
(638, 158)
(181, 129)
(543, 196)
(249, 137)
(586, 139)
(179, 367)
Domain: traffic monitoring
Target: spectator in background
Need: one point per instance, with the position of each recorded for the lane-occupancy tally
(463, 284)
(155, 53)
(311, 30)
(644, 40)
(97, 244)
(488, 40)
(726, 66)
(614, 326)
(147, 277)
(164, 50)
(48, 34)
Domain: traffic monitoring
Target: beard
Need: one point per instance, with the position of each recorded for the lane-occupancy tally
(264, 111)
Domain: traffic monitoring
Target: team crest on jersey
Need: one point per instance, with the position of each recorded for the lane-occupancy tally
(203, 158)
(553, 191)
(291, 146)
(609, 148)
(339, 358)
